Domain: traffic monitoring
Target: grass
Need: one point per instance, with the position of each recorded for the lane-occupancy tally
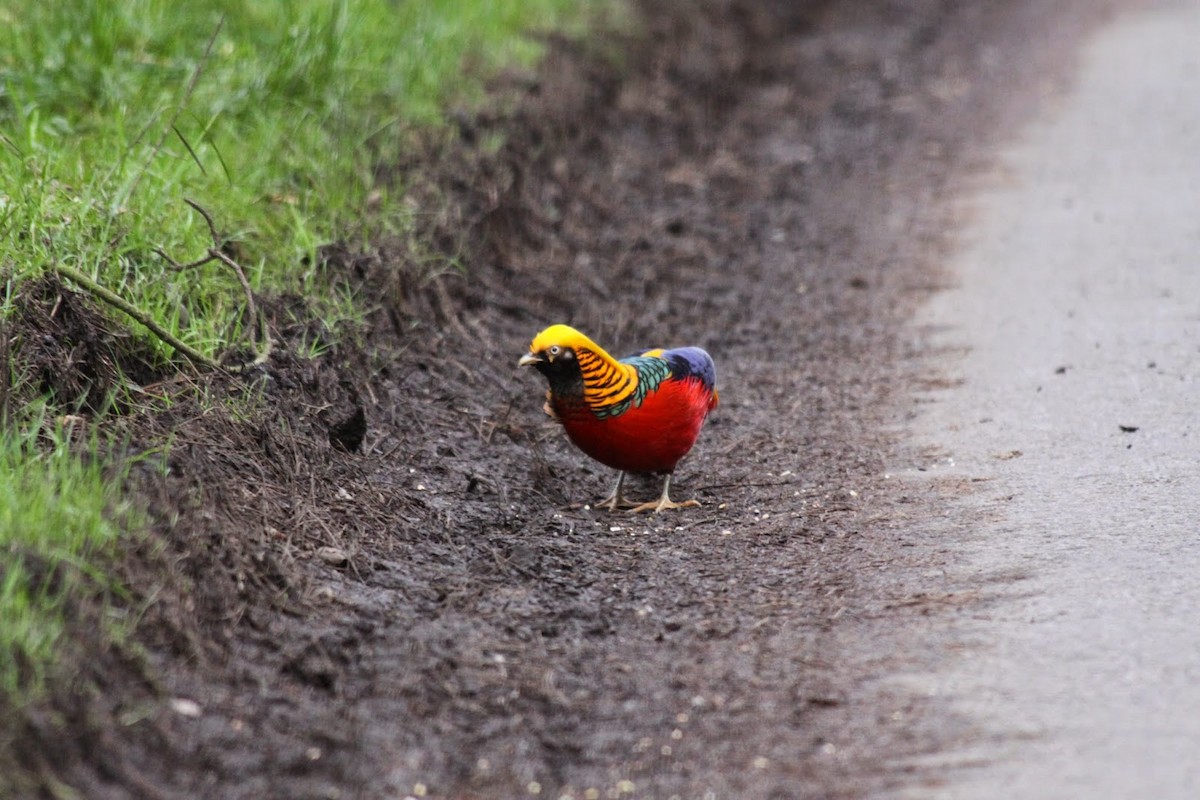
(275, 118)
(58, 515)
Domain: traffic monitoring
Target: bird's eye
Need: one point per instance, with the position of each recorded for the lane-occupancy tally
(555, 349)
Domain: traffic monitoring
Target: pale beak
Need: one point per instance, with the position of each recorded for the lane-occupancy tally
(529, 359)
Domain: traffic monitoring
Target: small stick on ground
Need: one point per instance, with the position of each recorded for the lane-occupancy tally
(216, 253)
(116, 301)
(263, 343)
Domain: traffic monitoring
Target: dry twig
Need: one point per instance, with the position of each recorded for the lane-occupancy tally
(116, 301)
(217, 253)
(263, 337)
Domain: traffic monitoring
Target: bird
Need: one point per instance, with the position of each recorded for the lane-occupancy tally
(641, 413)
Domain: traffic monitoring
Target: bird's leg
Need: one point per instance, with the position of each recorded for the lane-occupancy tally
(616, 499)
(664, 502)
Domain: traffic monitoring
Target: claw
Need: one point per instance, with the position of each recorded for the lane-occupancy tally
(616, 499)
(664, 502)
(548, 407)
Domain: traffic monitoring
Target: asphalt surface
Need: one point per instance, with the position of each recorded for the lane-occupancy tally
(1071, 334)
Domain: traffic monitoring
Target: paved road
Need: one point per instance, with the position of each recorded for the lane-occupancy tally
(1078, 300)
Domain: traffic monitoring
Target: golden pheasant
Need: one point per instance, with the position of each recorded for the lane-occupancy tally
(637, 414)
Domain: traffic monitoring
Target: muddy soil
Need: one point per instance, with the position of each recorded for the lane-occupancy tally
(376, 574)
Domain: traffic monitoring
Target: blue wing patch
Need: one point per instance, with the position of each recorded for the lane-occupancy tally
(692, 362)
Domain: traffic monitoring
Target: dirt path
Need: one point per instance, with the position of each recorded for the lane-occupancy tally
(433, 615)
(1074, 318)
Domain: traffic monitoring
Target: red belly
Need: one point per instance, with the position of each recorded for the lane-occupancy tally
(649, 438)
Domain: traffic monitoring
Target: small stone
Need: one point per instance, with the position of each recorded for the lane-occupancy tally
(333, 556)
(184, 707)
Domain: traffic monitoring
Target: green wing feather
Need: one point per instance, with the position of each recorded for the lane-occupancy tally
(651, 372)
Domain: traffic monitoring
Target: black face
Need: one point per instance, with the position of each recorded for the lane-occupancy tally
(561, 368)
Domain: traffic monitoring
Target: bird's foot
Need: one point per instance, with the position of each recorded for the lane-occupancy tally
(616, 499)
(613, 502)
(664, 501)
(662, 504)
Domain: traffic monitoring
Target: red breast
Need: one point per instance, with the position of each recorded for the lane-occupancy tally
(652, 437)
